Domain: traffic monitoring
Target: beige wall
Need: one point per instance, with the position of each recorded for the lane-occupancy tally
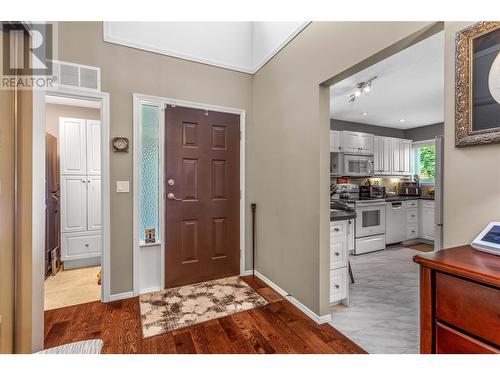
(471, 174)
(288, 159)
(125, 71)
(54, 111)
(7, 230)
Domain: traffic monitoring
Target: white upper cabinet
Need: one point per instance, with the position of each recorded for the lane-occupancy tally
(400, 160)
(382, 155)
(357, 143)
(335, 141)
(93, 147)
(79, 146)
(72, 146)
(405, 156)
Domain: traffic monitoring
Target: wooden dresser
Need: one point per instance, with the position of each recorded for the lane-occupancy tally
(459, 301)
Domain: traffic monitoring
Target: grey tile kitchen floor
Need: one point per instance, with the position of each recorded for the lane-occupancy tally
(383, 314)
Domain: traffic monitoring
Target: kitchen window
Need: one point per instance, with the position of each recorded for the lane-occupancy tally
(424, 160)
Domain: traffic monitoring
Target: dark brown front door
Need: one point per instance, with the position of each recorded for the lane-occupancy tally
(202, 173)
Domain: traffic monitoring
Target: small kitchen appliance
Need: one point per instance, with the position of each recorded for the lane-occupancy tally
(372, 191)
(409, 188)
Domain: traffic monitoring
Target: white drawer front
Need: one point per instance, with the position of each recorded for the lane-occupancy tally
(338, 253)
(338, 229)
(338, 284)
(412, 215)
(411, 204)
(372, 243)
(412, 232)
(81, 246)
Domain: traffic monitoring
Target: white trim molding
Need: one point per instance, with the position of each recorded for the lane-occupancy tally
(252, 67)
(311, 314)
(119, 296)
(138, 248)
(103, 99)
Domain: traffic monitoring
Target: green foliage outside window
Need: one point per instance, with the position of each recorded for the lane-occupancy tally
(427, 163)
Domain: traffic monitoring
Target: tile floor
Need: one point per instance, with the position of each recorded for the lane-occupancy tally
(383, 314)
(72, 287)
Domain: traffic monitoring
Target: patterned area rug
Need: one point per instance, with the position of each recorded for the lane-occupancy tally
(184, 306)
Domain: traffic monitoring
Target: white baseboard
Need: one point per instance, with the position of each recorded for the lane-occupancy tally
(315, 317)
(246, 273)
(150, 290)
(119, 296)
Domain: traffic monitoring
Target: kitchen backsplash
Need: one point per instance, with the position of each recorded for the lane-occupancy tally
(390, 183)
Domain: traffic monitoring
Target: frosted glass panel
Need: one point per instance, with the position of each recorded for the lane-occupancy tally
(150, 157)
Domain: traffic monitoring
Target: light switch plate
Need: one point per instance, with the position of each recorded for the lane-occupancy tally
(122, 186)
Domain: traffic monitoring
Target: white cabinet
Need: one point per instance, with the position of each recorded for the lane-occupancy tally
(80, 168)
(366, 143)
(400, 160)
(356, 142)
(93, 147)
(73, 204)
(405, 156)
(412, 221)
(335, 141)
(72, 146)
(427, 219)
(340, 232)
(94, 219)
(382, 155)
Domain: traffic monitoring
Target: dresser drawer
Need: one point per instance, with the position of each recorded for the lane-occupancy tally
(338, 229)
(472, 307)
(338, 284)
(338, 252)
(450, 341)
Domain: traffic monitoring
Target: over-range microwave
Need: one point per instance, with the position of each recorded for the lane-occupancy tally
(357, 165)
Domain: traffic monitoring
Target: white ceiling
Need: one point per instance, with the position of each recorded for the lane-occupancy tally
(410, 86)
(241, 46)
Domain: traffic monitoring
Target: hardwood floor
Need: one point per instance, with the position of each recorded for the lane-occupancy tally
(278, 327)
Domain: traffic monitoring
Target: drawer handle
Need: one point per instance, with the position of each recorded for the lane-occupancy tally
(336, 229)
(337, 286)
(337, 254)
(86, 245)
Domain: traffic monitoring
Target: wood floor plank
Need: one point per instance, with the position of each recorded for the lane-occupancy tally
(244, 322)
(278, 327)
(280, 336)
(184, 343)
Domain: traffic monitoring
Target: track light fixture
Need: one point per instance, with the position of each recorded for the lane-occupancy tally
(364, 87)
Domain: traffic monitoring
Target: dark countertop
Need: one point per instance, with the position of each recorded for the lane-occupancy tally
(338, 215)
(399, 198)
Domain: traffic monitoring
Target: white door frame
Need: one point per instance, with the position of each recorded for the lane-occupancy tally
(103, 99)
(161, 102)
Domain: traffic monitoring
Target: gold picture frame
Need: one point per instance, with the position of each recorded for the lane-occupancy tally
(466, 132)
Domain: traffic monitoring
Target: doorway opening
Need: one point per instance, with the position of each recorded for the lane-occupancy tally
(73, 202)
(386, 136)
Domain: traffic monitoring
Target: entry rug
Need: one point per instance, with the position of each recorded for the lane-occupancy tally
(174, 308)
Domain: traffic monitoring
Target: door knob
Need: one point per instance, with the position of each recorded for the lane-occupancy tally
(171, 196)
(171, 182)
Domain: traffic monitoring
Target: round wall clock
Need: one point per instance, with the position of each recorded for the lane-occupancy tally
(120, 144)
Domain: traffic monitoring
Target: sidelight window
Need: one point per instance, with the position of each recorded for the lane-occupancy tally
(149, 171)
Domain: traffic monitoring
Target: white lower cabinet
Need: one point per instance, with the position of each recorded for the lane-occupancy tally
(427, 219)
(340, 233)
(339, 284)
